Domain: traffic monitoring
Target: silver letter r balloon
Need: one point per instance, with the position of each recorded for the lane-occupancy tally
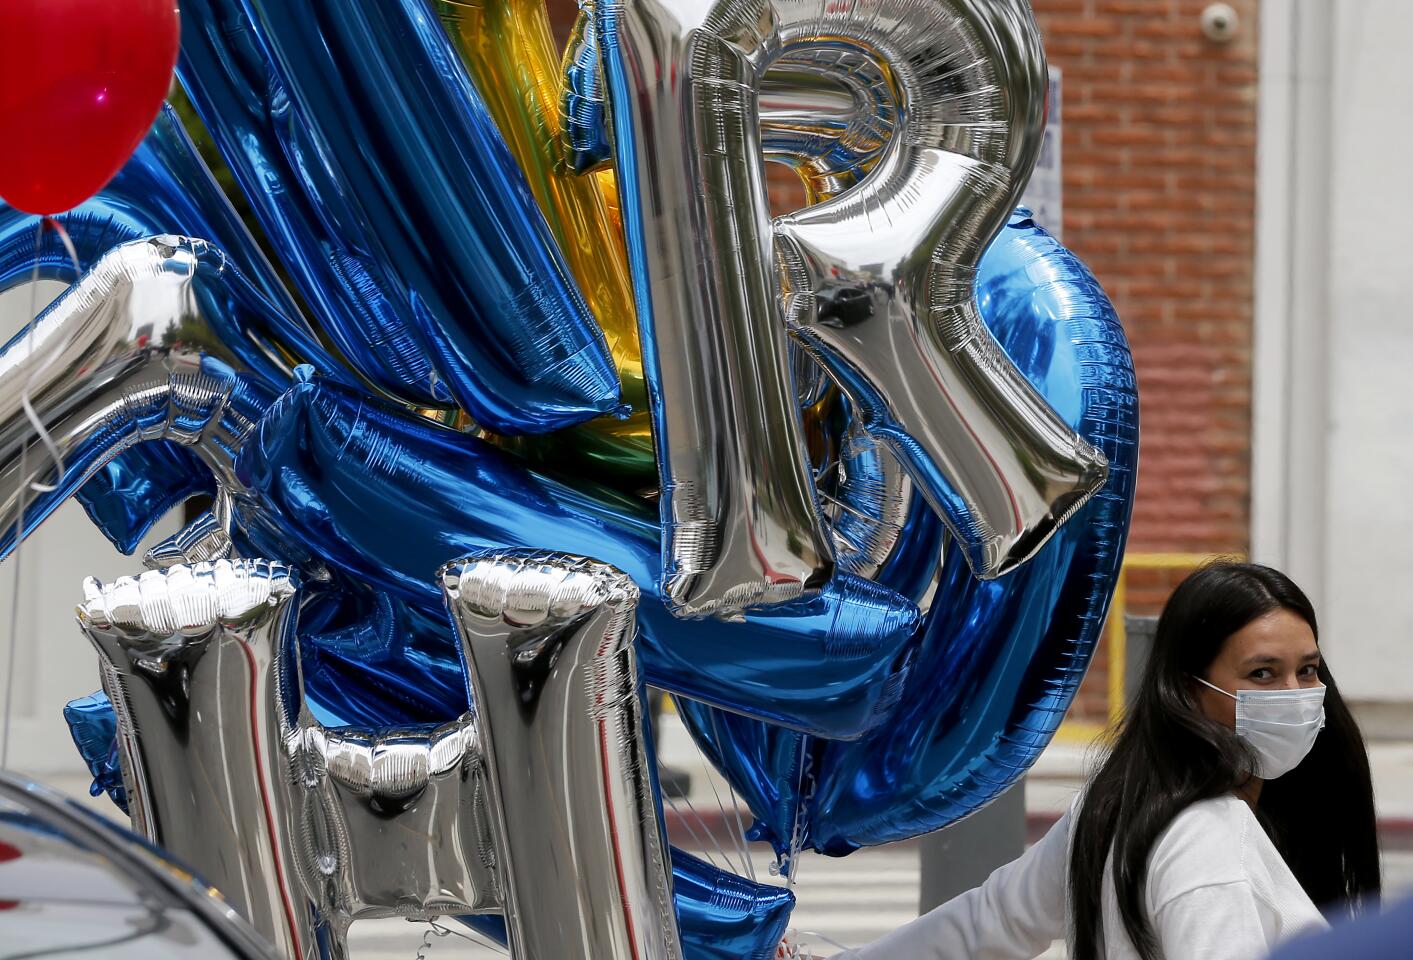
(876, 283)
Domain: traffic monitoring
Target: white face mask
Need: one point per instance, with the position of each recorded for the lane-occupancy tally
(1280, 725)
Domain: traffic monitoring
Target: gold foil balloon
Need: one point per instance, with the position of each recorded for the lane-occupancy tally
(509, 50)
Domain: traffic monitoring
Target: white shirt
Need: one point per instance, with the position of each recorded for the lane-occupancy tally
(1217, 889)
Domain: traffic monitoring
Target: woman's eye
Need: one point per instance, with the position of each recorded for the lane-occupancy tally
(1261, 674)
(1310, 670)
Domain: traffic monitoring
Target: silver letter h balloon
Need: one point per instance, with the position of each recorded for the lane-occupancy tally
(475, 816)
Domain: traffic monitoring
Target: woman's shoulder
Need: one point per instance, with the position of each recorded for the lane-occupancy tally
(1207, 844)
(1224, 812)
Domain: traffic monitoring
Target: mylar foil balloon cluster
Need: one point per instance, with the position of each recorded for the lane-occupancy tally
(542, 404)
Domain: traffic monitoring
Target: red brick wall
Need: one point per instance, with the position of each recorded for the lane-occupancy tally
(1159, 162)
(1159, 158)
(1159, 154)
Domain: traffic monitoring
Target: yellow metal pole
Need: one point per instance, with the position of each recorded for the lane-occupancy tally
(1175, 561)
(1118, 646)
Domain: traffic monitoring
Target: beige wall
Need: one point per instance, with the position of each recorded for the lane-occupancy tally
(53, 661)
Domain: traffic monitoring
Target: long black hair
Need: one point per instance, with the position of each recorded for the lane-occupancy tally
(1167, 755)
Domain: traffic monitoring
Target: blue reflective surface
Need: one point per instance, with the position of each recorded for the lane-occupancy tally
(377, 171)
(164, 189)
(388, 498)
(225, 70)
(130, 493)
(370, 659)
(726, 917)
(998, 661)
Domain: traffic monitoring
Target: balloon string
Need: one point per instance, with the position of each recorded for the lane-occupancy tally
(741, 845)
(442, 931)
(738, 842)
(720, 847)
(426, 946)
(741, 831)
(25, 397)
(796, 833)
(48, 441)
(701, 842)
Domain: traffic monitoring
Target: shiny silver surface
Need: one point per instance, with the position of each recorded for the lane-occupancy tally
(74, 885)
(125, 355)
(188, 656)
(392, 823)
(205, 538)
(827, 111)
(876, 283)
(307, 829)
(548, 641)
(303, 828)
(740, 522)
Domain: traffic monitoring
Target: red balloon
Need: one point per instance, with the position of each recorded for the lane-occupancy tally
(80, 84)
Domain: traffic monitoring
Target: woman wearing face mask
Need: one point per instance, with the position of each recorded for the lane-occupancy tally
(1234, 808)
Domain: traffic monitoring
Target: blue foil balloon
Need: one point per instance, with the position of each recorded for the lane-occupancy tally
(376, 168)
(999, 661)
(726, 917)
(370, 659)
(388, 498)
(768, 768)
(225, 71)
(130, 493)
(94, 727)
(164, 188)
